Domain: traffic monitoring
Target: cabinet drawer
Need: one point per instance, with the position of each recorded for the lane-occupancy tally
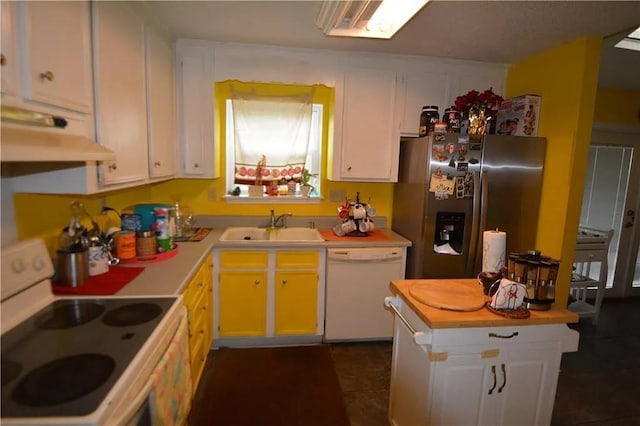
(492, 336)
(198, 313)
(499, 335)
(297, 259)
(244, 259)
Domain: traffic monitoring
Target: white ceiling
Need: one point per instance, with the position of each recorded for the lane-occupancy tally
(486, 31)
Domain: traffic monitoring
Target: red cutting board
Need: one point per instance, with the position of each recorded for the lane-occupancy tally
(453, 295)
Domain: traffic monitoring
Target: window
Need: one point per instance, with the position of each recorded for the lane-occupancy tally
(241, 174)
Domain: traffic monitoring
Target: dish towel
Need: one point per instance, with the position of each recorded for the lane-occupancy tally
(170, 397)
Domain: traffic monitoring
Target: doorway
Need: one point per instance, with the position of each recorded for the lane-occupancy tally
(611, 200)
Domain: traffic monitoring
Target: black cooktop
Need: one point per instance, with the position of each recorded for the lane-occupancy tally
(63, 360)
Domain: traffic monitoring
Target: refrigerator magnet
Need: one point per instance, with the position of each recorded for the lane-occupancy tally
(438, 150)
(463, 166)
(441, 184)
(452, 162)
(468, 185)
(459, 186)
(463, 148)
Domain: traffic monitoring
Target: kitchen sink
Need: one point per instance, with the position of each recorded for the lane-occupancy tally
(293, 234)
(244, 234)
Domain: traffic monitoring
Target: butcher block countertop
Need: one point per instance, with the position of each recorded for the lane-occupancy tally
(443, 318)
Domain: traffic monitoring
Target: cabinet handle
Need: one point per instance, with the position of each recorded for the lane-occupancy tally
(501, 336)
(48, 75)
(284, 282)
(157, 164)
(495, 379)
(3, 59)
(196, 165)
(113, 166)
(504, 378)
(256, 282)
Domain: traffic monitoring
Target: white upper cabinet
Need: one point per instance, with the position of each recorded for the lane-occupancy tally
(120, 87)
(195, 105)
(420, 89)
(161, 111)
(366, 143)
(56, 47)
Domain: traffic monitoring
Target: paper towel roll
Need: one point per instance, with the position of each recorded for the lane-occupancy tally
(494, 245)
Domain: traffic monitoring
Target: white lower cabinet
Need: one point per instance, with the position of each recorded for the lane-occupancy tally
(474, 376)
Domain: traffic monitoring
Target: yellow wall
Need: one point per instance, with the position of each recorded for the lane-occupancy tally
(566, 77)
(44, 216)
(617, 106)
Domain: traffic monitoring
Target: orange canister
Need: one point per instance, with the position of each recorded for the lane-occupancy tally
(125, 245)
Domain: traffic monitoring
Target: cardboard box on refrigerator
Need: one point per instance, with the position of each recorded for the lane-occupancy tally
(519, 116)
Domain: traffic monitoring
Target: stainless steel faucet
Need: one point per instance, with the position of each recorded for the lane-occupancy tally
(273, 221)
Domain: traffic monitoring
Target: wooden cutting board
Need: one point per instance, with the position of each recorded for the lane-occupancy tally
(454, 295)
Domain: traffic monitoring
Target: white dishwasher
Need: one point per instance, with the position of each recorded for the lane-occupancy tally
(357, 283)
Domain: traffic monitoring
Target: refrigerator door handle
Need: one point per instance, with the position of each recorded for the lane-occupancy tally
(484, 190)
(475, 218)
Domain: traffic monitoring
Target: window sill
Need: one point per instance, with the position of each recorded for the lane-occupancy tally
(265, 199)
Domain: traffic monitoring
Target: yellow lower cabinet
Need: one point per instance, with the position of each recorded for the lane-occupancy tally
(242, 303)
(296, 302)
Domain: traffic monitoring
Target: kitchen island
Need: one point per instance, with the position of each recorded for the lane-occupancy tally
(476, 367)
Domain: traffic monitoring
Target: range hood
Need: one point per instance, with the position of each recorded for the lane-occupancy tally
(22, 140)
(19, 144)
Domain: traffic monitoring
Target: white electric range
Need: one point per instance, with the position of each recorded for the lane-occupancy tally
(76, 360)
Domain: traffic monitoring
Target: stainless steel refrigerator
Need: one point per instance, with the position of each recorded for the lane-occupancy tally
(452, 188)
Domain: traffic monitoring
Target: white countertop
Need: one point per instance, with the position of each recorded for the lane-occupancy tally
(170, 276)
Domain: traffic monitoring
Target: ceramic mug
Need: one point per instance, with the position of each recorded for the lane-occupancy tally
(371, 212)
(349, 226)
(98, 260)
(359, 211)
(366, 225)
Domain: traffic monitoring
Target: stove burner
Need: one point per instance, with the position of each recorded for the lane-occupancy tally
(63, 380)
(69, 315)
(132, 314)
(10, 370)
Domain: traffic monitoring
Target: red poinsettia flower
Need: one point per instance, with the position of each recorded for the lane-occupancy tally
(474, 99)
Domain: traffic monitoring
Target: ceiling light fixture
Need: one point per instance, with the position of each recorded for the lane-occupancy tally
(632, 41)
(368, 18)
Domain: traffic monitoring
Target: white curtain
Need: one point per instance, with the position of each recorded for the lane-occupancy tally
(275, 129)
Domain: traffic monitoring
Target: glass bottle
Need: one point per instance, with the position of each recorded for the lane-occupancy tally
(543, 280)
(532, 278)
(520, 270)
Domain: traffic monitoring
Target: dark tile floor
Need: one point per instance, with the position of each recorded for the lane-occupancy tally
(598, 385)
